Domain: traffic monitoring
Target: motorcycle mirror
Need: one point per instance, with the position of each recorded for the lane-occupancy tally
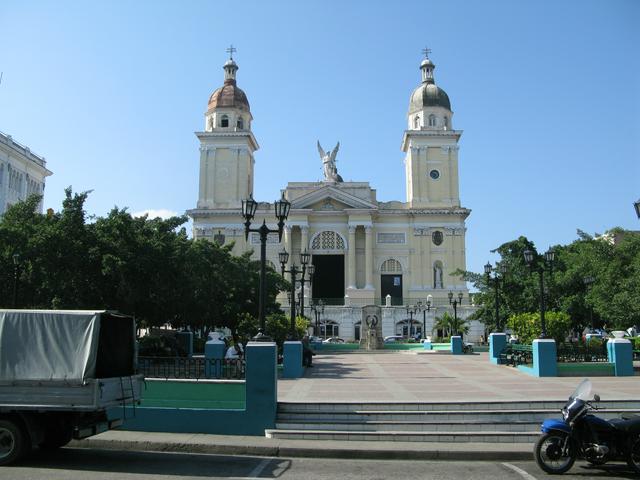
(596, 398)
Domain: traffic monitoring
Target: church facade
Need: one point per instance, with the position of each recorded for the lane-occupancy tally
(394, 254)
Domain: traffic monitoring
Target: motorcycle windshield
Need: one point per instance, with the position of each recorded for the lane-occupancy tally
(583, 391)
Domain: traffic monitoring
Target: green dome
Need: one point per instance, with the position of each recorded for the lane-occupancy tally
(429, 95)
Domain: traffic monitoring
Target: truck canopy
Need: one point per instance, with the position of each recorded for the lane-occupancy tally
(71, 346)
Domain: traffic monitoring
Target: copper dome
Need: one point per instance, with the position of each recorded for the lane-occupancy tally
(229, 96)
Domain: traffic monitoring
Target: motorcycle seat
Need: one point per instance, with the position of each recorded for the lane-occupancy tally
(631, 425)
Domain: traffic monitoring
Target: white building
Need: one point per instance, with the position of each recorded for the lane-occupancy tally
(364, 252)
(22, 173)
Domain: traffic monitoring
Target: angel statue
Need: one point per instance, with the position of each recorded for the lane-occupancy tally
(329, 164)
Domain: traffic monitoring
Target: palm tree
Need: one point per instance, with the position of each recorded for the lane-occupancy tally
(450, 325)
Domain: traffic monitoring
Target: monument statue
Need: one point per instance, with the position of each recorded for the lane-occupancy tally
(329, 164)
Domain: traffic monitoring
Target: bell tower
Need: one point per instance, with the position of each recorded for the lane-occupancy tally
(226, 145)
(431, 145)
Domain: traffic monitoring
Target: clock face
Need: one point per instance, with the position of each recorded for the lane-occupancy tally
(435, 174)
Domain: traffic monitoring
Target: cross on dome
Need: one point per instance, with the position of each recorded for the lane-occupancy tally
(426, 51)
(231, 50)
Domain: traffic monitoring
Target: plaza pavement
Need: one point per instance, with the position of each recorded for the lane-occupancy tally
(407, 376)
(384, 377)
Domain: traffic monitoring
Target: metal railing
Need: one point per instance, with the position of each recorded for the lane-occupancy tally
(580, 352)
(191, 368)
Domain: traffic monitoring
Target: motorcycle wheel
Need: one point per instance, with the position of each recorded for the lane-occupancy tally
(550, 456)
(633, 460)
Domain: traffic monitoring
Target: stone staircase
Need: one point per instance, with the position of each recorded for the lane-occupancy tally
(490, 422)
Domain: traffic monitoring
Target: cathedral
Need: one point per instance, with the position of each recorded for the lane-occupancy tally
(396, 254)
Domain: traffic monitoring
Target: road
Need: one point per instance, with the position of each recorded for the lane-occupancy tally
(85, 464)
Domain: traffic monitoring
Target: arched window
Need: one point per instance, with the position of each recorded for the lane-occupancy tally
(432, 120)
(391, 266)
(224, 121)
(437, 274)
(240, 123)
(327, 240)
(446, 122)
(416, 122)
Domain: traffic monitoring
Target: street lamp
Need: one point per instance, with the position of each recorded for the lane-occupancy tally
(411, 311)
(283, 256)
(281, 210)
(455, 303)
(588, 281)
(500, 271)
(16, 266)
(540, 264)
(424, 308)
(318, 311)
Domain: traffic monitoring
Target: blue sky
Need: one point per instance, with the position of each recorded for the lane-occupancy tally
(546, 92)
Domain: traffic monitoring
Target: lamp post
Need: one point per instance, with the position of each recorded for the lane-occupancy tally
(411, 311)
(16, 267)
(424, 308)
(318, 311)
(500, 271)
(455, 303)
(540, 264)
(294, 271)
(306, 268)
(588, 281)
(249, 208)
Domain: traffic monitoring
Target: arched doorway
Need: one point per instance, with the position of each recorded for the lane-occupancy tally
(327, 248)
(409, 328)
(329, 328)
(391, 281)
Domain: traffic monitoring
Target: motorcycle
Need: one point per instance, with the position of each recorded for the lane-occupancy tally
(580, 434)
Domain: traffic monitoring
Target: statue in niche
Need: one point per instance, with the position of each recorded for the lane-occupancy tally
(437, 276)
(329, 164)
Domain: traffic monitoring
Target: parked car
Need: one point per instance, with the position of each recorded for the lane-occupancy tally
(333, 340)
(393, 338)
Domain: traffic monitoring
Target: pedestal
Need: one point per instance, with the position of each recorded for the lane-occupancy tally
(456, 345)
(545, 359)
(292, 360)
(620, 353)
(214, 357)
(497, 342)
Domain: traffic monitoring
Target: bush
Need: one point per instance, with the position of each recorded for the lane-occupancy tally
(527, 326)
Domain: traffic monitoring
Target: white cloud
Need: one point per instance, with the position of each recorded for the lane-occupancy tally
(162, 213)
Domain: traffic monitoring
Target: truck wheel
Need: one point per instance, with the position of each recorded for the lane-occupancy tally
(14, 441)
(54, 438)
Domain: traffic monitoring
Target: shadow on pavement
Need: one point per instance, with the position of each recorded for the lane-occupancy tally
(154, 464)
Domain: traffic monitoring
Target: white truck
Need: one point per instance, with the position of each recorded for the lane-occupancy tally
(61, 372)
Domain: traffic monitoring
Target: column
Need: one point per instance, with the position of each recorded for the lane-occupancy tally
(288, 243)
(351, 272)
(368, 237)
(304, 243)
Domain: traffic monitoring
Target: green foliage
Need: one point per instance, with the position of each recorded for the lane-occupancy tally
(527, 326)
(141, 266)
(161, 346)
(450, 325)
(610, 301)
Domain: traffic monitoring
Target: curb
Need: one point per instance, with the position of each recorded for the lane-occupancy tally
(324, 449)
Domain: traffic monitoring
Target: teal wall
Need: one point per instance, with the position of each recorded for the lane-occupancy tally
(187, 408)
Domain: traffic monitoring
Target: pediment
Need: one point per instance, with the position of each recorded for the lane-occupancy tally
(330, 198)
